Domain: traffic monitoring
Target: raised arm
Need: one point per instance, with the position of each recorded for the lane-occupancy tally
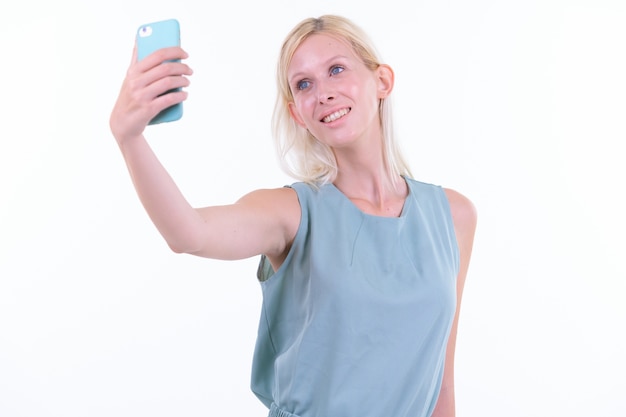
(262, 222)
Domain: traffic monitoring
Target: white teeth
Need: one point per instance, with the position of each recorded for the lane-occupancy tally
(336, 115)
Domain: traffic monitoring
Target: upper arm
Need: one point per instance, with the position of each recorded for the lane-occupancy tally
(261, 222)
(464, 217)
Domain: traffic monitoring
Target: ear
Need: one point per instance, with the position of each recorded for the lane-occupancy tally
(295, 115)
(385, 78)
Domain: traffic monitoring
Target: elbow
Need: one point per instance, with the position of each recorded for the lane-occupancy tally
(179, 248)
(184, 237)
(188, 246)
(176, 248)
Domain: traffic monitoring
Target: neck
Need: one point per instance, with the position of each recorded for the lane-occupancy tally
(365, 180)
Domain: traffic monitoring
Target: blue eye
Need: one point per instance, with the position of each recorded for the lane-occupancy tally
(302, 84)
(336, 70)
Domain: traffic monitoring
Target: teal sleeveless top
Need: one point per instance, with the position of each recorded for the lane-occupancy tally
(356, 320)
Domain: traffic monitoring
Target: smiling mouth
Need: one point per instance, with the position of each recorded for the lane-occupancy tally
(336, 115)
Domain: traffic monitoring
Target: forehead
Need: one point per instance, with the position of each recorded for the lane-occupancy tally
(318, 49)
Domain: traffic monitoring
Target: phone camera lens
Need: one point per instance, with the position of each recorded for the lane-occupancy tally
(145, 31)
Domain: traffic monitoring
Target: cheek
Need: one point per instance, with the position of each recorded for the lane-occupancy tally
(307, 101)
(305, 105)
(368, 92)
(300, 112)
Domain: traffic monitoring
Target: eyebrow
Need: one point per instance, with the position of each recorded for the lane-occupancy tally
(298, 75)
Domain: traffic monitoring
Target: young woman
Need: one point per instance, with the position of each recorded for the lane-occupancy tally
(362, 267)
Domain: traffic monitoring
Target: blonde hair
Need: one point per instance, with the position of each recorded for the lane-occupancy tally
(301, 155)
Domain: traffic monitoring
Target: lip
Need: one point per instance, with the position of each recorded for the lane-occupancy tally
(328, 113)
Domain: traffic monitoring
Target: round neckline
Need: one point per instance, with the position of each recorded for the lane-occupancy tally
(405, 205)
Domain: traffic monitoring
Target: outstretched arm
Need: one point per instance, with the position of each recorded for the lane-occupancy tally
(264, 221)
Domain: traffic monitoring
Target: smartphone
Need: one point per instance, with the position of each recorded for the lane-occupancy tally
(154, 36)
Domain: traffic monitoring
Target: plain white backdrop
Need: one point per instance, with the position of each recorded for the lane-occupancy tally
(520, 105)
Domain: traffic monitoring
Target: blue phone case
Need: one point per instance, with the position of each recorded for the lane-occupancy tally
(154, 36)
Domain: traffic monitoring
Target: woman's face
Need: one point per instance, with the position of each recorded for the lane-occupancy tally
(335, 96)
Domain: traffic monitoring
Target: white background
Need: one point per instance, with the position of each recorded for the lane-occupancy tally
(520, 105)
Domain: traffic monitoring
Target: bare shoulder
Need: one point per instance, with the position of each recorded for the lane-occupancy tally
(464, 213)
(283, 200)
(278, 212)
(278, 207)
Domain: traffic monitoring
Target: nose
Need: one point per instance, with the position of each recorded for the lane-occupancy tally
(324, 98)
(325, 94)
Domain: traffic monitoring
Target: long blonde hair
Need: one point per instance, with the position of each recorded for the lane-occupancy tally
(301, 155)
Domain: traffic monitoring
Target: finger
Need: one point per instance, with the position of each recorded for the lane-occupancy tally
(166, 100)
(142, 80)
(174, 53)
(165, 86)
(134, 56)
(163, 102)
(166, 69)
(138, 80)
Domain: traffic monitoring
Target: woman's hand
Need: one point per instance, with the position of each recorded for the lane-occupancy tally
(141, 97)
